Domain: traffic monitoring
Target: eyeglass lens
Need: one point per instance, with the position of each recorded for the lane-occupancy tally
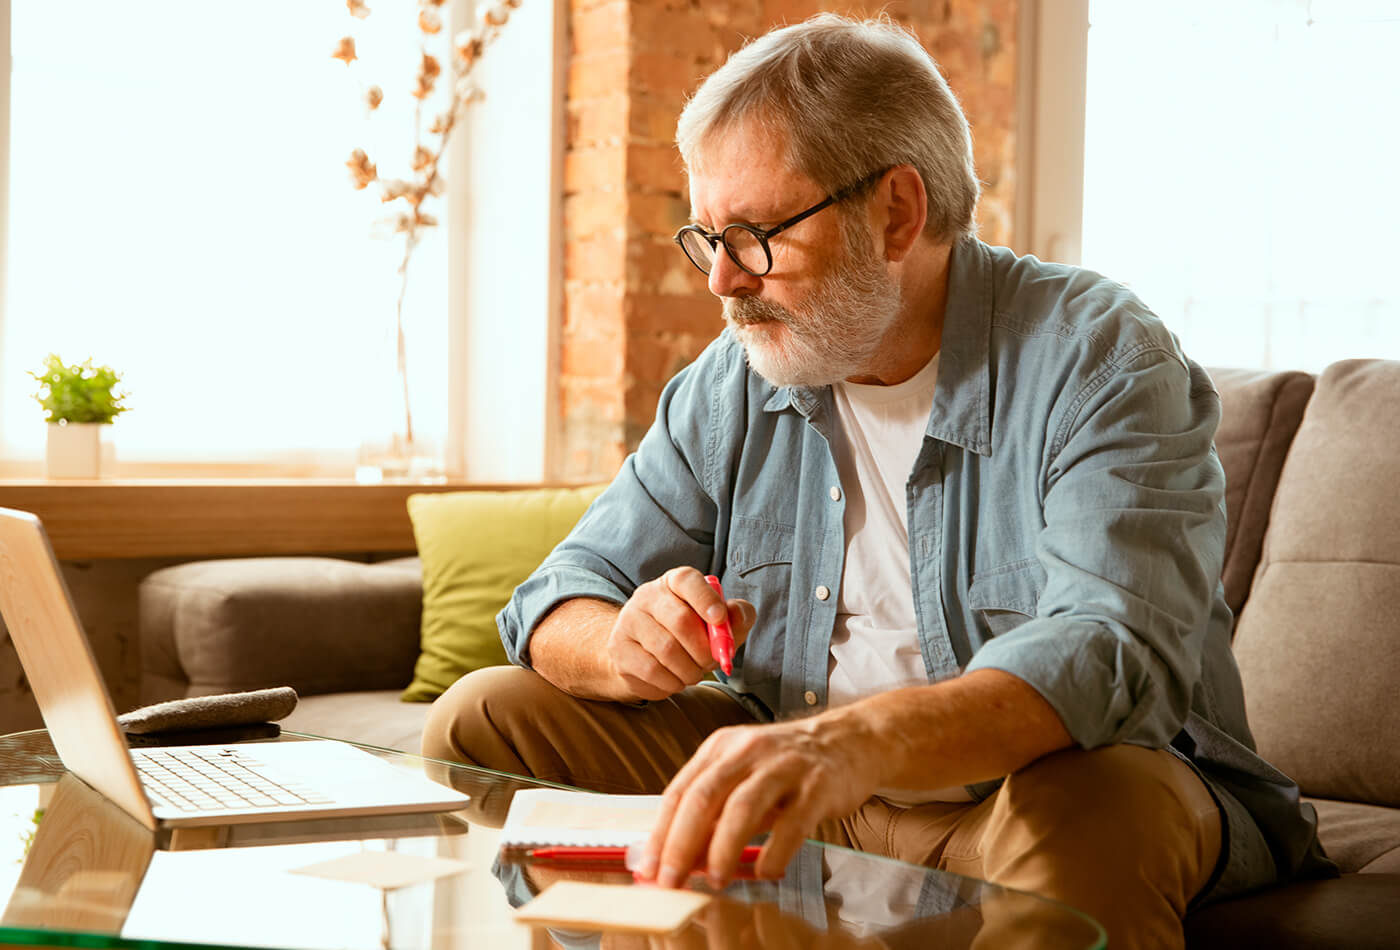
(744, 247)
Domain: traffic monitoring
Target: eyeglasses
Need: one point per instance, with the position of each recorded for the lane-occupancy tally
(747, 245)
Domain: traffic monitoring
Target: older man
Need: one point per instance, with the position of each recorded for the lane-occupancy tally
(970, 517)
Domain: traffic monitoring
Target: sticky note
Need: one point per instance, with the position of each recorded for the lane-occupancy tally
(585, 905)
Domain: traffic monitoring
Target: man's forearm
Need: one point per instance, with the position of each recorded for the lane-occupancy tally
(984, 725)
(568, 648)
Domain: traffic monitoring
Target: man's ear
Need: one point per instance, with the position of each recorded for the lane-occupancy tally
(903, 203)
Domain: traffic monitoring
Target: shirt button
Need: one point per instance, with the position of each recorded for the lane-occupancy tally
(835, 493)
(810, 697)
(823, 592)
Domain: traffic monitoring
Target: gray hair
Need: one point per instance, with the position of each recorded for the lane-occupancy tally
(844, 99)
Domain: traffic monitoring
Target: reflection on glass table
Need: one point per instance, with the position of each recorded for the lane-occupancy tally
(79, 871)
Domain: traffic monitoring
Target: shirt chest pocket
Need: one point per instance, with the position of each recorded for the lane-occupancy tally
(759, 558)
(1003, 598)
(759, 569)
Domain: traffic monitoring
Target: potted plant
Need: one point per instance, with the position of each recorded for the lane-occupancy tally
(78, 400)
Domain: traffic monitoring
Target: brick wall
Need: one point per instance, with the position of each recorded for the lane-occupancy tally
(635, 311)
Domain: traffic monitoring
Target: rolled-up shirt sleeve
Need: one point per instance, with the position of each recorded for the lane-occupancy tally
(1132, 547)
(655, 515)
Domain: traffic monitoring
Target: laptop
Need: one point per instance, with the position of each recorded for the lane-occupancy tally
(296, 780)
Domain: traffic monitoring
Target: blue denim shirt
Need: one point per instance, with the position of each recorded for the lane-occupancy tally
(1066, 524)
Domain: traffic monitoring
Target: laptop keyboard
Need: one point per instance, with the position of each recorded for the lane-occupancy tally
(215, 779)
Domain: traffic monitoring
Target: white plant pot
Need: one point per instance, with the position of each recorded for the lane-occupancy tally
(74, 450)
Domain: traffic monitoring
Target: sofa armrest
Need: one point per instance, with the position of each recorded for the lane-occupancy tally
(319, 625)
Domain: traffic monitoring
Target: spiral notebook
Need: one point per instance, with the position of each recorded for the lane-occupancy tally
(542, 817)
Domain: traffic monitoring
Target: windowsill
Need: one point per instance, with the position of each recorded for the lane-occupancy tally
(188, 517)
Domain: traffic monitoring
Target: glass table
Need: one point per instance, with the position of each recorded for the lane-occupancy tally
(76, 871)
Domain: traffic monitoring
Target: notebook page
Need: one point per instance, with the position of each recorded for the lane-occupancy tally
(540, 817)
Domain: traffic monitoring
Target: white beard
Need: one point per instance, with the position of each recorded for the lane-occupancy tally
(834, 334)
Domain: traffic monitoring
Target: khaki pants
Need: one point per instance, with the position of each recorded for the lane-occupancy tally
(1127, 834)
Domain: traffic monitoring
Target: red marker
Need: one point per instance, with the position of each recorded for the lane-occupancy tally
(721, 638)
(602, 854)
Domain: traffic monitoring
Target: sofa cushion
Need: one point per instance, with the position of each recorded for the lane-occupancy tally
(1260, 415)
(375, 717)
(1318, 641)
(1355, 911)
(476, 547)
(1359, 837)
(318, 625)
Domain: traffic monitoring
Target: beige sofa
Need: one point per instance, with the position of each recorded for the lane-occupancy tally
(1312, 570)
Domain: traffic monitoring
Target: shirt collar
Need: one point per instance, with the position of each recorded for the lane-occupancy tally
(961, 402)
(961, 405)
(802, 398)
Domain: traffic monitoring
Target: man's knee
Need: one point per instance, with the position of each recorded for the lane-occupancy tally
(1116, 805)
(482, 705)
(1107, 783)
(1128, 834)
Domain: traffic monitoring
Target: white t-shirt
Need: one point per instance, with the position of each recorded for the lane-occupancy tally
(875, 642)
(871, 896)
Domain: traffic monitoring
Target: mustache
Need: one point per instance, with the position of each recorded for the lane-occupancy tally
(746, 311)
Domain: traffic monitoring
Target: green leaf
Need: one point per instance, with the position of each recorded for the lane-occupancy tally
(78, 392)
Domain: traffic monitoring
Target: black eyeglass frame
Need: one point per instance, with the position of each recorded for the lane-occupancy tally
(716, 238)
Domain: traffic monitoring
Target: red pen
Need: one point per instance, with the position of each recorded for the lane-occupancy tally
(721, 638)
(609, 855)
(588, 855)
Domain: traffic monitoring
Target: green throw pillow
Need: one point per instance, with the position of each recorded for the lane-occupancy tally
(476, 547)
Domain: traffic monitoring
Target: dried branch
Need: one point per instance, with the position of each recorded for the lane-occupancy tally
(427, 181)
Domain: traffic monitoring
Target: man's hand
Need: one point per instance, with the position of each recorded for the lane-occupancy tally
(784, 778)
(659, 645)
(788, 777)
(652, 647)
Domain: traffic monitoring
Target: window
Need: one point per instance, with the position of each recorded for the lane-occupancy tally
(179, 209)
(1239, 173)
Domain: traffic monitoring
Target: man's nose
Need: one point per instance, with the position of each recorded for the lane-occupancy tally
(728, 279)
